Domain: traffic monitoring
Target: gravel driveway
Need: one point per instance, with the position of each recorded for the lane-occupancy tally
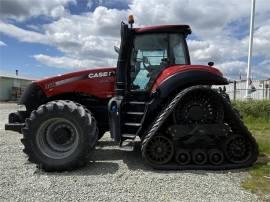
(113, 176)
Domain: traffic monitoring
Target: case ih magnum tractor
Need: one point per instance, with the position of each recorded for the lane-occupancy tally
(154, 93)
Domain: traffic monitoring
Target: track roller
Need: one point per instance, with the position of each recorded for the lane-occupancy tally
(215, 156)
(199, 156)
(183, 157)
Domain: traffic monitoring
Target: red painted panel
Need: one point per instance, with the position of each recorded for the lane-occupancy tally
(101, 82)
(95, 82)
(181, 68)
(161, 28)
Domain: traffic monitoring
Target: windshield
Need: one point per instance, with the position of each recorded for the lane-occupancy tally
(152, 53)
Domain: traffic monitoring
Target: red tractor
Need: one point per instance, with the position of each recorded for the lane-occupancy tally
(153, 93)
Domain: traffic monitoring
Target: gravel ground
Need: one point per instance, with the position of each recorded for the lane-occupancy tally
(113, 176)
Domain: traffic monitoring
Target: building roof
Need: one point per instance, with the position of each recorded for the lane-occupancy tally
(5, 75)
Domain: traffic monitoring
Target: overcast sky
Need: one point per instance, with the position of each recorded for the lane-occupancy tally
(46, 37)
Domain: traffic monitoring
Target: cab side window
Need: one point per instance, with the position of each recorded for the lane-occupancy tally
(149, 56)
(177, 49)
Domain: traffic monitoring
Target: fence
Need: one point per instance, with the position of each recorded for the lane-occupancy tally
(237, 90)
(240, 94)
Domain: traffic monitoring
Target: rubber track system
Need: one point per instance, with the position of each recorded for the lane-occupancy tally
(78, 116)
(231, 118)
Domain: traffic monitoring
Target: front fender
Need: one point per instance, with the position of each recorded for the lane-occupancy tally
(32, 97)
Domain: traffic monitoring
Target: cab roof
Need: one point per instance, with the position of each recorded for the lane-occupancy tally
(164, 28)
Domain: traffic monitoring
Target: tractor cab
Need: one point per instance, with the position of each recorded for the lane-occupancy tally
(153, 52)
(144, 53)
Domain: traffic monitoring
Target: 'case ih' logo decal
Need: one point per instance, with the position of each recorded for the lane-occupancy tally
(77, 78)
(100, 74)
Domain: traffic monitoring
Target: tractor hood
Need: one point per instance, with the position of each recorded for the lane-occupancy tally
(98, 82)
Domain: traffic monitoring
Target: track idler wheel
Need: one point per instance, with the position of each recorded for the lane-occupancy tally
(183, 157)
(238, 149)
(215, 156)
(199, 156)
(159, 150)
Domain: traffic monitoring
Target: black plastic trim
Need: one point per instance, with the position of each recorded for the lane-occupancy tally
(114, 113)
(17, 127)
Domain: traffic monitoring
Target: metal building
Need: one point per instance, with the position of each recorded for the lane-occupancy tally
(11, 87)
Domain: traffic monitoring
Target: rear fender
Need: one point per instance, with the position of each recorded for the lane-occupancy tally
(182, 80)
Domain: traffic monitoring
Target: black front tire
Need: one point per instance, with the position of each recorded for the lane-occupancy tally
(59, 136)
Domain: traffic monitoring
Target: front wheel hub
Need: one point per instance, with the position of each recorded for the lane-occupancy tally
(57, 138)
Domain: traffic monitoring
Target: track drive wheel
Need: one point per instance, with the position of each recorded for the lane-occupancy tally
(199, 107)
(60, 135)
(158, 151)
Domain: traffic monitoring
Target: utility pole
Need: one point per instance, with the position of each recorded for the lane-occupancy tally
(251, 29)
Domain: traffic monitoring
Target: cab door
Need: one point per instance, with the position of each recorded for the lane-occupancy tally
(149, 56)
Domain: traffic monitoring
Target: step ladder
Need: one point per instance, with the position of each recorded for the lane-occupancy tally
(133, 121)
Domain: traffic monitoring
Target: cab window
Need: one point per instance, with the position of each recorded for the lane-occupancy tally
(151, 54)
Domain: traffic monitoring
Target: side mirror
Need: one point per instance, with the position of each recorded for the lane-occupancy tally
(210, 64)
(116, 49)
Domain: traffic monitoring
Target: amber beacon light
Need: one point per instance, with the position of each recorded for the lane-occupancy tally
(130, 20)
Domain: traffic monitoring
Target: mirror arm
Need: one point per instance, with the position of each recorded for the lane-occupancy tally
(116, 49)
